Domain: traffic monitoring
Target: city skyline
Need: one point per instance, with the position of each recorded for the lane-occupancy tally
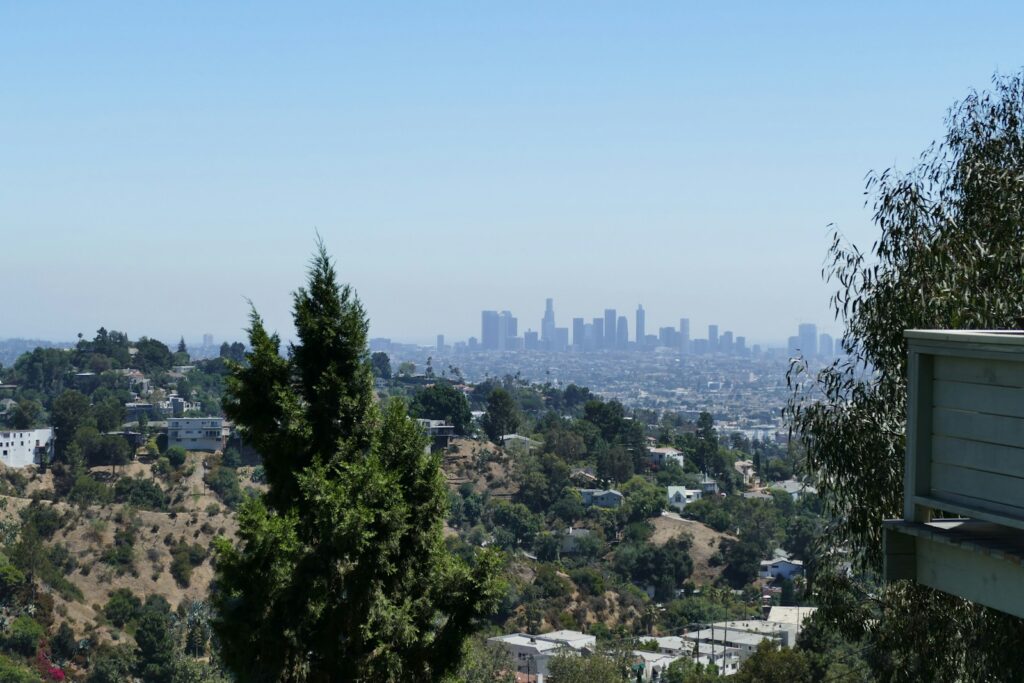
(690, 158)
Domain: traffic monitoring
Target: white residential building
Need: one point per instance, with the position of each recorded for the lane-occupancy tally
(23, 447)
(680, 496)
(659, 456)
(531, 655)
(198, 433)
(780, 568)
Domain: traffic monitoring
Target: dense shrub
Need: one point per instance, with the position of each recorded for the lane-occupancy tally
(24, 634)
(141, 493)
(122, 607)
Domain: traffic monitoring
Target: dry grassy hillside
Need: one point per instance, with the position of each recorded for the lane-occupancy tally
(91, 534)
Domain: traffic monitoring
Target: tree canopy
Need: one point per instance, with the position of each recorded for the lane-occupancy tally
(341, 572)
(950, 254)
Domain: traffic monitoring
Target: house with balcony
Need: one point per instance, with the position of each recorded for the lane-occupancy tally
(962, 530)
(198, 433)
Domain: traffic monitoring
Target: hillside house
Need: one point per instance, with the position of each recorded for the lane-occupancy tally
(603, 498)
(964, 455)
(532, 654)
(24, 447)
(198, 433)
(680, 496)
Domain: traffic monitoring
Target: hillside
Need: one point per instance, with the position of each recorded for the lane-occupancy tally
(93, 536)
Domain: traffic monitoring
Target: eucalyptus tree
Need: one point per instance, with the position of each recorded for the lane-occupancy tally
(949, 254)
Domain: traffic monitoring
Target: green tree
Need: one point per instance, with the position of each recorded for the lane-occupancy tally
(442, 401)
(774, 664)
(949, 255)
(707, 444)
(341, 571)
(112, 664)
(122, 607)
(590, 669)
(70, 411)
(502, 416)
(381, 363)
(156, 650)
(26, 414)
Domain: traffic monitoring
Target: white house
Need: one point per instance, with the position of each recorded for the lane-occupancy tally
(795, 489)
(745, 468)
(780, 568)
(197, 433)
(531, 655)
(604, 498)
(23, 447)
(659, 456)
(680, 496)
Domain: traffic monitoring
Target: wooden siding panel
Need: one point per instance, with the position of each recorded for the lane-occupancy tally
(984, 487)
(996, 429)
(979, 456)
(996, 372)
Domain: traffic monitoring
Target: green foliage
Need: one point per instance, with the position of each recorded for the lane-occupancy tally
(232, 458)
(112, 664)
(595, 668)
(23, 635)
(502, 416)
(485, 663)
(26, 414)
(442, 401)
(63, 645)
(44, 517)
(224, 482)
(341, 571)
(88, 491)
(381, 364)
(643, 499)
(122, 607)
(70, 411)
(948, 255)
(663, 567)
(685, 670)
(141, 493)
(12, 672)
(176, 455)
(121, 555)
(156, 648)
(184, 558)
(774, 664)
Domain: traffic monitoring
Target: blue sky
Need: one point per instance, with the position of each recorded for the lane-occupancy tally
(163, 162)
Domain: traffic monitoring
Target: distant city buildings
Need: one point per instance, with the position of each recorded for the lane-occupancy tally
(610, 332)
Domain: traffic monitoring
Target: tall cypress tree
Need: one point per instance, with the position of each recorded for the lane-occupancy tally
(340, 571)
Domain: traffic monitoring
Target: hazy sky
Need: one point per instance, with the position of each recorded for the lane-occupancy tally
(162, 162)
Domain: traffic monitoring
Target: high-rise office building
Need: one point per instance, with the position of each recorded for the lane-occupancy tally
(547, 325)
(578, 332)
(712, 338)
(621, 333)
(440, 342)
(609, 328)
(489, 330)
(684, 335)
(507, 331)
(826, 347)
(530, 341)
(808, 339)
(561, 340)
(668, 337)
(598, 324)
(725, 342)
(641, 323)
(741, 346)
